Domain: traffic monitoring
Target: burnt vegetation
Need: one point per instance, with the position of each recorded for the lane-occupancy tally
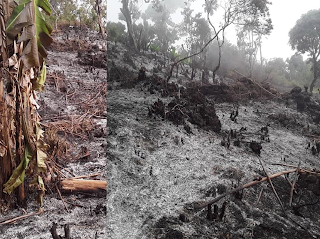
(212, 95)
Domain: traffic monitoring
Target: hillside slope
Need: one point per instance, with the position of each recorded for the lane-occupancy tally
(159, 172)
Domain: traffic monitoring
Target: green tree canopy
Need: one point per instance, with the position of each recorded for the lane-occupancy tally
(305, 38)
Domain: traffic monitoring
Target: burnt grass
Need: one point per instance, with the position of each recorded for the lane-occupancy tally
(172, 146)
(73, 112)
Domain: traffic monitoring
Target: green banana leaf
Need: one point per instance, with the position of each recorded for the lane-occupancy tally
(38, 83)
(18, 174)
(36, 32)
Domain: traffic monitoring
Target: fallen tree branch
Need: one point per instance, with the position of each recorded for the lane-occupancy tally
(7, 221)
(75, 185)
(271, 184)
(205, 204)
(301, 169)
(293, 183)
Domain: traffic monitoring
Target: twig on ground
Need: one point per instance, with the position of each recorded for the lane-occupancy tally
(64, 203)
(286, 177)
(85, 176)
(7, 221)
(293, 183)
(259, 197)
(271, 184)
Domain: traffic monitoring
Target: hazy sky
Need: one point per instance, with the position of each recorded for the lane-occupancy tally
(284, 14)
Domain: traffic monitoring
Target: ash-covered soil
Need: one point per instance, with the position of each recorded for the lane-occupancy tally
(161, 169)
(73, 109)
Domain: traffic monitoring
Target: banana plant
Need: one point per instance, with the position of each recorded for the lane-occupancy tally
(27, 34)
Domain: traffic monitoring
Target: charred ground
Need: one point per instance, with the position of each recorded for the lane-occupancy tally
(172, 147)
(73, 111)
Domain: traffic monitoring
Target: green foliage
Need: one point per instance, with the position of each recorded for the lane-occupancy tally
(187, 61)
(306, 32)
(36, 31)
(72, 13)
(116, 30)
(304, 37)
(154, 48)
(173, 54)
(163, 28)
(31, 33)
(18, 174)
(64, 12)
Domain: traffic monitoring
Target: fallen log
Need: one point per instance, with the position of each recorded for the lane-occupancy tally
(76, 185)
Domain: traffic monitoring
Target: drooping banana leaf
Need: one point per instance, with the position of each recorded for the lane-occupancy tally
(38, 83)
(18, 174)
(19, 18)
(36, 32)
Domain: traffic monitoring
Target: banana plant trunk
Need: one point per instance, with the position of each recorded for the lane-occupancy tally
(6, 164)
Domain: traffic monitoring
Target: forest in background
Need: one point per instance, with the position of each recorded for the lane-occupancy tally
(90, 14)
(154, 30)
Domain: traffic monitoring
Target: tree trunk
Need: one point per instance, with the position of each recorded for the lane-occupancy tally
(177, 71)
(261, 59)
(126, 12)
(192, 73)
(98, 11)
(315, 75)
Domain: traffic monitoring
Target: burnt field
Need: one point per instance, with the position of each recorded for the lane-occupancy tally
(180, 152)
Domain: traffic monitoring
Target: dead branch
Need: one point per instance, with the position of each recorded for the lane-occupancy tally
(85, 176)
(7, 221)
(259, 197)
(271, 184)
(75, 185)
(293, 183)
(205, 204)
(64, 203)
(301, 169)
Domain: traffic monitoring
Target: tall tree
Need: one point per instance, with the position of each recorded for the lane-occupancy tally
(63, 12)
(100, 10)
(254, 24)
(164, 27)
(130, 11)
(305, 38)
(237, 12)
(298, 69)
(127, 11)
